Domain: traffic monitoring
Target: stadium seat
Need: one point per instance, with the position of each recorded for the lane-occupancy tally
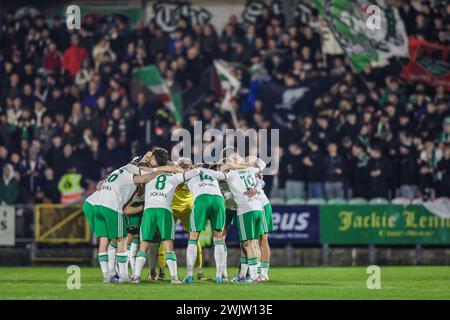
(403, 201)
(296, 201)
(357, 201)
(417, 201)
(379, 201)
(337, 201)
(276, 201)
(316, 201)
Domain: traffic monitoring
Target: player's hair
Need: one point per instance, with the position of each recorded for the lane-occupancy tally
(223, 153)
(144, 163)
(184, 163)
(161, 156)
(135, 161)
(210, 165)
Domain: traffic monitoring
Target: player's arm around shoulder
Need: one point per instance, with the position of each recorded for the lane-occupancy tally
(145, 178)
(218, 175)
(187, 175)
(129, 209)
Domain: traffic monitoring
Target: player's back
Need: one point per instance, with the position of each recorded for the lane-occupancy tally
(240, 181)
(204, 184)
(159, 192)
(93, 198)
(117, 189)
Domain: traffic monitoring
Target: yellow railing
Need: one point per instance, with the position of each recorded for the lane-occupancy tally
(61, 224)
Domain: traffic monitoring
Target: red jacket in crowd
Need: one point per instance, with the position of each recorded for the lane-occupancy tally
(52, 61)
(73, 58)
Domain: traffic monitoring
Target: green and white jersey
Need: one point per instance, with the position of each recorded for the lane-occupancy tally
(203, 184)
(116, 190)
(92, 199)
(240, 181)
(159, 191)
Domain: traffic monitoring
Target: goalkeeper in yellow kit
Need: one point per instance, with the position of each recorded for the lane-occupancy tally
(181, 207)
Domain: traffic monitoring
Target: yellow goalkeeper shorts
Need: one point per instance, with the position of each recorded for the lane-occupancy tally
(183, 216)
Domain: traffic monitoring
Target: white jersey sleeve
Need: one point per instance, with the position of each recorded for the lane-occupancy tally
(218, 175)
(261, 164)
(133, 169)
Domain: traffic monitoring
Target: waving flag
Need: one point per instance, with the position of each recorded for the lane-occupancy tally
(349, 23)
(151, 77)
(229, 85)
(429, 63)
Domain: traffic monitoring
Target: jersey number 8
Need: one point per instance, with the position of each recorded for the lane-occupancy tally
(161, 182)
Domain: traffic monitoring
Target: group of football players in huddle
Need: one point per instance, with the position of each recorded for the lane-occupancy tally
(133, 213)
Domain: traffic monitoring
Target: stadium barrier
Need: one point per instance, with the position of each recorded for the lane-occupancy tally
(302, 234)
(340, 224)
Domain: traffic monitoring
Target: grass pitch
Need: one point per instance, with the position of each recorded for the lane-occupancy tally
(285, 283)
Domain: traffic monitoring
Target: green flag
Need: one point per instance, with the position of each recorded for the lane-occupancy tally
(368, 31)
(153, 80)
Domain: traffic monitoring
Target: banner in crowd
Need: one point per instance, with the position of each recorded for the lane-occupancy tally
(439, 207)
(294, 225)
(382, 224)
(289, 102)
(429, 63)
(7, 225)
(348, 21)
(153, 80)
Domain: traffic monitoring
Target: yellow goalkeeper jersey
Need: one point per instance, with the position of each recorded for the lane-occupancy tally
(182, 199)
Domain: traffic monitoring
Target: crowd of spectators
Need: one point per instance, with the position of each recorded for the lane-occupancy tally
(66, 104)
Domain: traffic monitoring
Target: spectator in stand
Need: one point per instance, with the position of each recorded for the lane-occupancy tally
(359, 168)
(53, 59)
(408, 176)
(443, 169)
(74, 56)
(314, 163)
(9, 187)
(87, 98)
(428, 160)
(334, 172)
(379, 172)
(296, 173)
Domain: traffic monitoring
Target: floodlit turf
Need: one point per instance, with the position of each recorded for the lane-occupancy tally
(286, 283)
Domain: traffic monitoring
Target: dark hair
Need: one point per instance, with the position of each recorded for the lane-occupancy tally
(210, 165)
(161, 156)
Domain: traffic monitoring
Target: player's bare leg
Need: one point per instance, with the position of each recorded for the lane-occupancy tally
(244, 264)
(252, 259)
(141, 259)
(265, 256)
(103, 258)
(191, 256)
(171, 261)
